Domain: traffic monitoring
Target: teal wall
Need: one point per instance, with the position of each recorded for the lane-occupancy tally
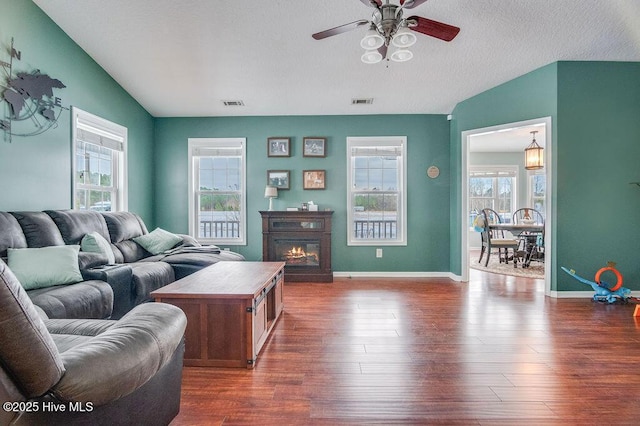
(530, 96)
(598, 153)
(596, 133)
(35, 171)
(428, 200)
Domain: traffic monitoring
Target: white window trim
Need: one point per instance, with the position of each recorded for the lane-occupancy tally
(98, 125)
(400, 141)
(193, 144)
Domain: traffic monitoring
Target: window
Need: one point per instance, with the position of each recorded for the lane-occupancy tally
(537, 190)
(376, 199)
(493, 188)
(99, 163)
(217, 204)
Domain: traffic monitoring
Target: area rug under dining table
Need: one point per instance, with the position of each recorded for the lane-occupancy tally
(535, 269)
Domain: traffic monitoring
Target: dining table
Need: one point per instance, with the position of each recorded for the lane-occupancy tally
(529, 232)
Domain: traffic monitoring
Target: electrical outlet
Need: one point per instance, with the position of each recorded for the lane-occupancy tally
(378, 252)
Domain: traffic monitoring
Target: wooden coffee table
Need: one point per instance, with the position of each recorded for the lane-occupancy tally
(231, 308)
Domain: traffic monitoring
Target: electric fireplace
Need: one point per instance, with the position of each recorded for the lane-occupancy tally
(301, 239)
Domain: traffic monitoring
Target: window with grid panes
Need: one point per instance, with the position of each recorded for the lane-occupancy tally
(99, 163)
(217, 204)
(376, 199)
(493, 188)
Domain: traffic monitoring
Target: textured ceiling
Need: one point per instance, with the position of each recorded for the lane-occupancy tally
(184, 58)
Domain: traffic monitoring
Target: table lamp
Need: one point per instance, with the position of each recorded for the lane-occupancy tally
(270, 192)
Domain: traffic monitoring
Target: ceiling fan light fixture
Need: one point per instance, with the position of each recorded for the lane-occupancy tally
(371, 40)
(371, 57)
(401, 55)
(404, 38)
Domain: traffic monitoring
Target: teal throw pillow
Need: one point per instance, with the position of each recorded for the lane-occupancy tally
(158, 241)
(46, 266)
(95, 243)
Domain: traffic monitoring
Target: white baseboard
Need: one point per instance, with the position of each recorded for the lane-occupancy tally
(449, 275)
(579, 294)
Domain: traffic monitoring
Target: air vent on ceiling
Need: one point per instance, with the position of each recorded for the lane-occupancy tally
(233, 103)
(362, 101)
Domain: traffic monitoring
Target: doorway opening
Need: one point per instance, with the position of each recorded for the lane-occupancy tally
(499, 151)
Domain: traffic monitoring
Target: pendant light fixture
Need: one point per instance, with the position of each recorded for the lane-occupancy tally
(534, 155)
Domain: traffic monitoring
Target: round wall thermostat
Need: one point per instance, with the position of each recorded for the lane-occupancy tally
(433, 172)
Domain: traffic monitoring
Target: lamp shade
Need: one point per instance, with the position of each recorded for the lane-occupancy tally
(534, 155)
(404, 38)
(401, 55)
(371, 57)
(371, 40)
(270, 192)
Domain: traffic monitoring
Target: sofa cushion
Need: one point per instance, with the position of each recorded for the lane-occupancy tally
(11, 234)
(39, 229)
(129, 251)
(88, 299)
(158, 241)
(124, 226)
(124, 357)
(187, 263)
(149, 276)
(27, 352)
(94, 242)
(75, 224)
(45, 266)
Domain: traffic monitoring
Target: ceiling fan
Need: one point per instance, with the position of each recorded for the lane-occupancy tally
(388, 26)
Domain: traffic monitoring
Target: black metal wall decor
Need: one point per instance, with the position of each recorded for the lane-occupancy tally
(29, 103)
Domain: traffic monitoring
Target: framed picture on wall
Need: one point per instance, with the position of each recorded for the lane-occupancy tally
(278, 178)
(313, 179)
(279, 147)
(314, 147)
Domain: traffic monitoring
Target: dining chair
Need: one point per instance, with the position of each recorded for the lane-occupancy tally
(495, 238)
(531, 243)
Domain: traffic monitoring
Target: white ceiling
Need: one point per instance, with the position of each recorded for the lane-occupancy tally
(507, 139)
(185, 57)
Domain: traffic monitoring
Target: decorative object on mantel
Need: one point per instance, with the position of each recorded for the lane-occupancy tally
(314, 147)
(31, 106)
(270, 192)
(388, 27)
(533, 155)
(313, 179)
(279, 147)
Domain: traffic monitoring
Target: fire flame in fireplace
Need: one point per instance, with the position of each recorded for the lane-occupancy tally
(298, 256)
(296, 253)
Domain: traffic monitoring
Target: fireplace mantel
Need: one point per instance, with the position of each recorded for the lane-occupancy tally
(302, 239)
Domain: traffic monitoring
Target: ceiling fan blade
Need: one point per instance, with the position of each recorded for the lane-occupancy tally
(434, 28)
(339, 30)
(373, 3)
(410, 4)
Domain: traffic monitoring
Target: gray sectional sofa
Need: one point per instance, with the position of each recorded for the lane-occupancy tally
(112, 281)
(88, 371)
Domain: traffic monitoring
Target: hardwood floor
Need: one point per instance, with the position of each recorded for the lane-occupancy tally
(494, 351)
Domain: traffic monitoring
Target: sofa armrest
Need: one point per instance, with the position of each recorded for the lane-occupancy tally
(120, 278)
(123, 358)
(78, 327)
(87, 260)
